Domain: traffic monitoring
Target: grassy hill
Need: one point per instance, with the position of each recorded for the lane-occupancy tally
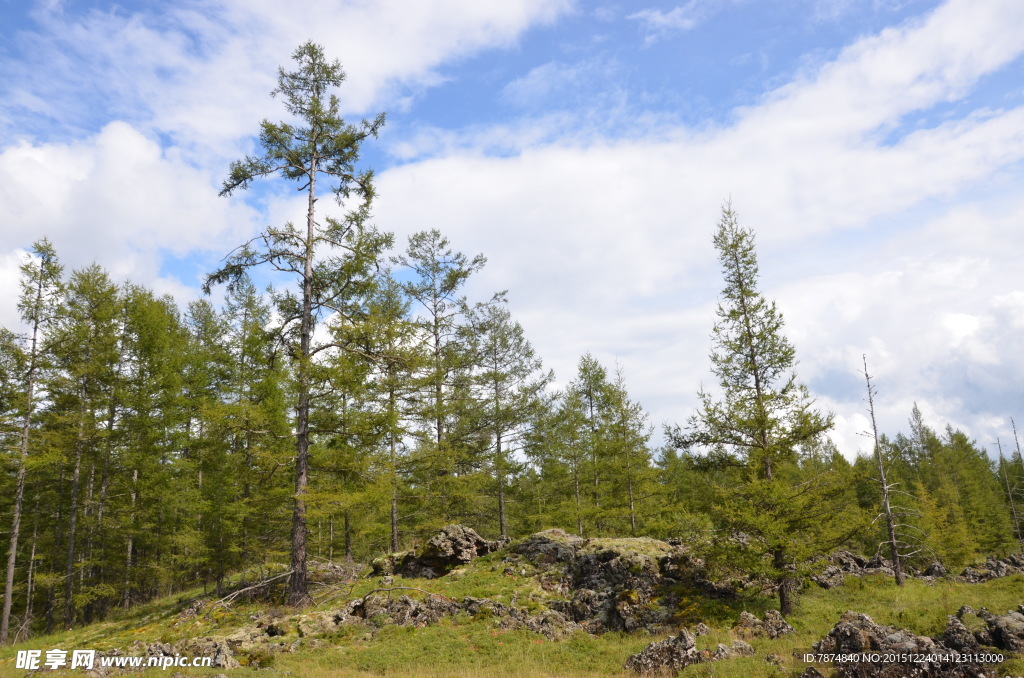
(451, 639)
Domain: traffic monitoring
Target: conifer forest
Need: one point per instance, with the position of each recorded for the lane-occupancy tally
(337, 396)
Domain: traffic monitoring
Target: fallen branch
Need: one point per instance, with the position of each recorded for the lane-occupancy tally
(258, 585)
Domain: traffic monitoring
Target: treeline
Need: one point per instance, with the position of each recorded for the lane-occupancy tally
(160, 443)
(367, 402)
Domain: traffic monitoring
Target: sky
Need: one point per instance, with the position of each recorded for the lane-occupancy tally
(876, 147)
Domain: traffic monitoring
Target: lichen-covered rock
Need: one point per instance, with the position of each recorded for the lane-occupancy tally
(748, 626)
(993, 569)
(701, 629)
(958, 637)
(857, 634)
(548, 548)
(738, 649)
(775, 625)
(453, 546)
(316, 624)
(811, 672)
(667, 657)
(831, 577)
(1007, 631)
(216, 648)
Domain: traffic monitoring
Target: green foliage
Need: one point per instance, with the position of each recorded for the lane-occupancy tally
(775, 514)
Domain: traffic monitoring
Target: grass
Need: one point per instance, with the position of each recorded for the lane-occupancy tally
(462, 646)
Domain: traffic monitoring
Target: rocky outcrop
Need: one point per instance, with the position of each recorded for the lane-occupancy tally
(216, 648)
(453, 546)
(748, 626)
(958, 637)
(667, 657)
(858, 634)
(1004, 632)
(616, 584)
(994, 569)
(738, 649)
(844, 563)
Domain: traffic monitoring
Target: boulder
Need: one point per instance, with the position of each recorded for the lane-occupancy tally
(667, 657)
(775, 625)
(453, 546)
(856, 634)
(216, 648)
(958, 637)
(748, 626)
(1007, 631)
(831, 577)
(738, 649)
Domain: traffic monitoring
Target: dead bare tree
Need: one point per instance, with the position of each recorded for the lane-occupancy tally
(1009, 491)
(886, 488)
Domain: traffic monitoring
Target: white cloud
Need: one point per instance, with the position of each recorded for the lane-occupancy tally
(605, 246)
(116, 198)
(195, 77)
(686, 17)
(201, 72)
(870, 239)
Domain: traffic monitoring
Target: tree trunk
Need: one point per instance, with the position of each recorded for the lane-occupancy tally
(392, 410)
(73, 515)
(890, 523)
(576, 491)
(298, 593)
(127, 598)
(348, 538)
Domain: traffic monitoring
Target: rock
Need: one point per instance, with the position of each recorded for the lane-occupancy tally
(387, 565)
(1007, 631)
(738, 649)
(830, 578)
(775, 625)
(958, 637)
(849, 562)
(936, 569)
(701, 629)
(774, 659)
(858, 633)
(215, 648)
(548, 548)
(246, 639)
(316, 624)
(748, 626)
(454, 545)
(993, 569)
(667, 656)
(811, 672)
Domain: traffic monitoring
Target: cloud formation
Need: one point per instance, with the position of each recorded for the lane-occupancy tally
(876, 236)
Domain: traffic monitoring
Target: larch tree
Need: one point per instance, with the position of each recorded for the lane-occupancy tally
(40, 287)
(627, 435)
(760, 418)
(510, 380)
(85, 337)
(329, 259)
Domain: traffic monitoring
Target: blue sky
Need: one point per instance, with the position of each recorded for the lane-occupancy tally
(875, 146)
